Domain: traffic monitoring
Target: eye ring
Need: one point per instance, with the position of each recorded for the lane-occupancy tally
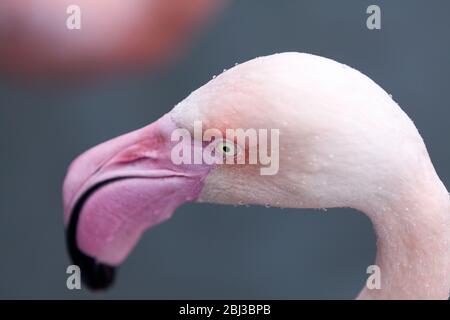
(227, 148)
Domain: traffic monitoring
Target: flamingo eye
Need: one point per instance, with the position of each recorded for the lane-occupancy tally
(227, 148)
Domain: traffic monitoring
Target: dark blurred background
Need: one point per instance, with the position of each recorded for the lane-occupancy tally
(212, 251)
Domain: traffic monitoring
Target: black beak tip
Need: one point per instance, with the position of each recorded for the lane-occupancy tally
(95, 275)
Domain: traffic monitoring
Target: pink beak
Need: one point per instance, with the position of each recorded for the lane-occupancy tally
(118, 189)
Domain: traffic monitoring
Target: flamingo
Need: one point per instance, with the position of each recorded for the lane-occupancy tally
(344, 142)
(114, 34)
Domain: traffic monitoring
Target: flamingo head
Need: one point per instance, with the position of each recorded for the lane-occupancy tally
(334, 138)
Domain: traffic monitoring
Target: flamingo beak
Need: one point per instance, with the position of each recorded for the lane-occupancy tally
(115, 191)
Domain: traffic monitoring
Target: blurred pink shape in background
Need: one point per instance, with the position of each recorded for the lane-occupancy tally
(114, 35)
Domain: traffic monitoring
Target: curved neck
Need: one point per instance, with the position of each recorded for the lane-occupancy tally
(413, 240)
